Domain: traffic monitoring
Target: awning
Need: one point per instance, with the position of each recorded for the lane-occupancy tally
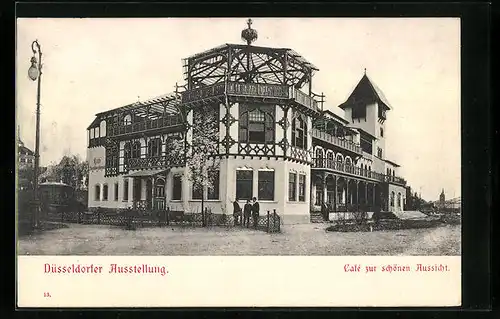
(146, 173)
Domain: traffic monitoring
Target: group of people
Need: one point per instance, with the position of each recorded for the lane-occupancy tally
(251, 208)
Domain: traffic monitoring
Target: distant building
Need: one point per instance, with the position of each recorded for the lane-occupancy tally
(442, 203)
(26, 157)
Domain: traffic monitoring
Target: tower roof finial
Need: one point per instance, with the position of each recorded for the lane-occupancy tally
(365, 71)
(249, 35)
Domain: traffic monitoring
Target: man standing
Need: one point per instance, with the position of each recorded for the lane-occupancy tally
(247, 211)
(255, 212)
(236, 212)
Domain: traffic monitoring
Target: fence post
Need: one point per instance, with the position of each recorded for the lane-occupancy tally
(168, 215)
(267, 221)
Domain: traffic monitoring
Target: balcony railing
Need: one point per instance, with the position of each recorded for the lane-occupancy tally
(345, 144)
(152, 162)
(251, 90)
(163, 122)
(303, 99)
(357, 171)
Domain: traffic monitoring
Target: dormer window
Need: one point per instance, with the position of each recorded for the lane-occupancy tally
(381, 132)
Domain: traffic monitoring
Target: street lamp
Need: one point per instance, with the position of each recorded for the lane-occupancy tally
(35, 73)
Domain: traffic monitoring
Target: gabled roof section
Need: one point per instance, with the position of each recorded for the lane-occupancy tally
(392, 163)
(366, 91)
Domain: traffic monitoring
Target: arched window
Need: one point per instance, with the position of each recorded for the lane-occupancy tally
(319, 157)
(136, 150)
(348, 164)
(340, 162)
(154, 147)
(330, 159)
(399, 204)
(127, 120)
(256, 124)
(392, 199)
(299, 132)
(102, 128)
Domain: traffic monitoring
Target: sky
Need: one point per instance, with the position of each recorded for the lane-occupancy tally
(92, 65)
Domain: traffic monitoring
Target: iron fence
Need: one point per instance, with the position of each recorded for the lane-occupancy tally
(133, 219)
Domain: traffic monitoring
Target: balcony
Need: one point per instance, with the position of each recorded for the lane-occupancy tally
(168, 121)
(340, 167)
(257, 90)
(153, 162)
(342, 143)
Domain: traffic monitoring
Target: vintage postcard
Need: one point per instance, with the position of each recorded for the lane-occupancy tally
(238, 162)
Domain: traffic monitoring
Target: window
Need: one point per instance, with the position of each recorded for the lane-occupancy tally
(244, 184)
(125, 190)
(392, 199)
(302, 188)
(292, 187)
(127, 120)
(399, 200)
(381, 132)
(96, 132)
(379, 152)
(103, 128)
(136, 150)
(105, 192)
(160, 188)
(196, 192)
(92, 133)
(154, 147)
(359, 111)
(214, 176)
(256, 124)
(97, 194)
(299, 135)
(366, 144)
(329, 159)
(319, 158)
(116, 191)
(23, 160)
(177, 187)
(266, 185)
(127, 153)
(319, 193)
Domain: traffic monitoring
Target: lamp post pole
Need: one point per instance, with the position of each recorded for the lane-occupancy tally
(35, 73)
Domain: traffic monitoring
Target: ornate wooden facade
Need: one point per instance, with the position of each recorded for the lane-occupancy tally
(266, 110)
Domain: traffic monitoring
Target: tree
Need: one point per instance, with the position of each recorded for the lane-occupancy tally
(199, 152)
(70, 170)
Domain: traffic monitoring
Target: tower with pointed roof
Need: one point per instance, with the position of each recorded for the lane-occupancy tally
(366, 109)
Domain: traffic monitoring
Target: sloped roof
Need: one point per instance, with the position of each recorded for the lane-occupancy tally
(361, 89)
(24, 150)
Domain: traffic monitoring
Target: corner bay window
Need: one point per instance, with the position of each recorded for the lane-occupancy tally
(256, 123)
(244, 182)
(292, 187)
(177, 187)
(266, 185)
